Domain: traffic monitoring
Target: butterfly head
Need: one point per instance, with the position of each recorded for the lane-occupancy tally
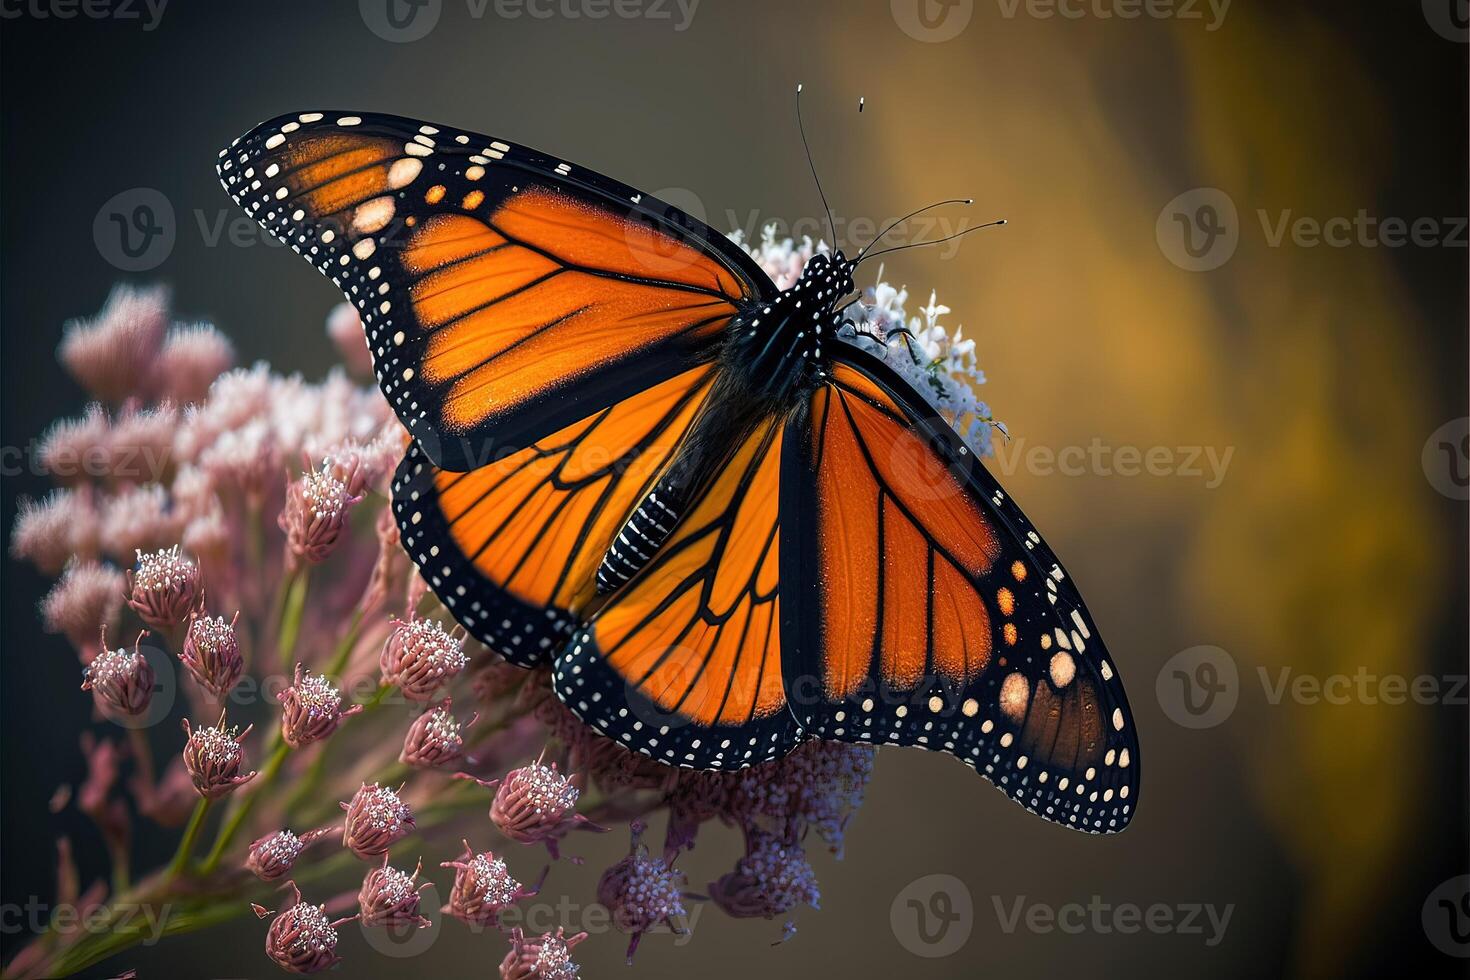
(828, 278)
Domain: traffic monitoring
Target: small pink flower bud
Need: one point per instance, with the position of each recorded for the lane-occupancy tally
(164, 589)
(64, 525)
(642, 892)
(301, 938)
(140, 444)
(272, 856)
(311, 709)
(316, 509)
(535, 804)
(420, 657)
(192, 357)
(242, 461)
(74, 449)
(214, 758)
(87, 598)
(211, 653)
(138, 519)
(121, 682)
(390, 898)
(435, 738)
(376, 820)
(547, 957)
(112, 354)
(482, 887)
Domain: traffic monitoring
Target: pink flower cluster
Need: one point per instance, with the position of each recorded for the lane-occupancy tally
(234, 524)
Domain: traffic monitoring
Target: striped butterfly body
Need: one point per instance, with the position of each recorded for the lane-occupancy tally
(638, 462)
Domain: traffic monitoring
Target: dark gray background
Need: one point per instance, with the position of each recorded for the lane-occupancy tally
(1325, 549)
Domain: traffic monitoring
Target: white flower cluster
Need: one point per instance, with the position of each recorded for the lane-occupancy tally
(940, 364)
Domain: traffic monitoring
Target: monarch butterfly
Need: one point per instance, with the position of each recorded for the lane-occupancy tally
(636, 461)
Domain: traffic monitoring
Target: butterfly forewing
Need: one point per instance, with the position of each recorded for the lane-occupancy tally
(928, 612)
(505, 294)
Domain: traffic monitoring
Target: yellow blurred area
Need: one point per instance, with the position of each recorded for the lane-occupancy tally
(1318, 552)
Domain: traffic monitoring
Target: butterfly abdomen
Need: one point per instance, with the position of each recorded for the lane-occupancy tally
(648, 528)
(726, 418)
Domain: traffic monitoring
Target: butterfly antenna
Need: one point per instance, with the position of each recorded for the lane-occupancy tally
(937, 241)
(912, 214)
(801, 127)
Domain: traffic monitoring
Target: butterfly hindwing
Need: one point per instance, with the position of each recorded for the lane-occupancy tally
(505, 294)
(927, 610)
(684, 662)
(512, 548)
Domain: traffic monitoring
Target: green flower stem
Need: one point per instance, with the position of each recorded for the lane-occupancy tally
(203, 911)
(237, 817)
(294, 605)
(343, 653)
(191, 837)
(307, 786)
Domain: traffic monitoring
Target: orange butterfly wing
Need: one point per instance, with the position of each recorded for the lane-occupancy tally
(505, 294)
(925, 610)
(512, 548)
(684, 663)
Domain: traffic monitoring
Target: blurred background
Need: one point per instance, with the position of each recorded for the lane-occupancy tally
(1226, 327)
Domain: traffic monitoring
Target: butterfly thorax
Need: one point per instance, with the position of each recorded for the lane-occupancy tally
(776, 347)
(771, 362)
